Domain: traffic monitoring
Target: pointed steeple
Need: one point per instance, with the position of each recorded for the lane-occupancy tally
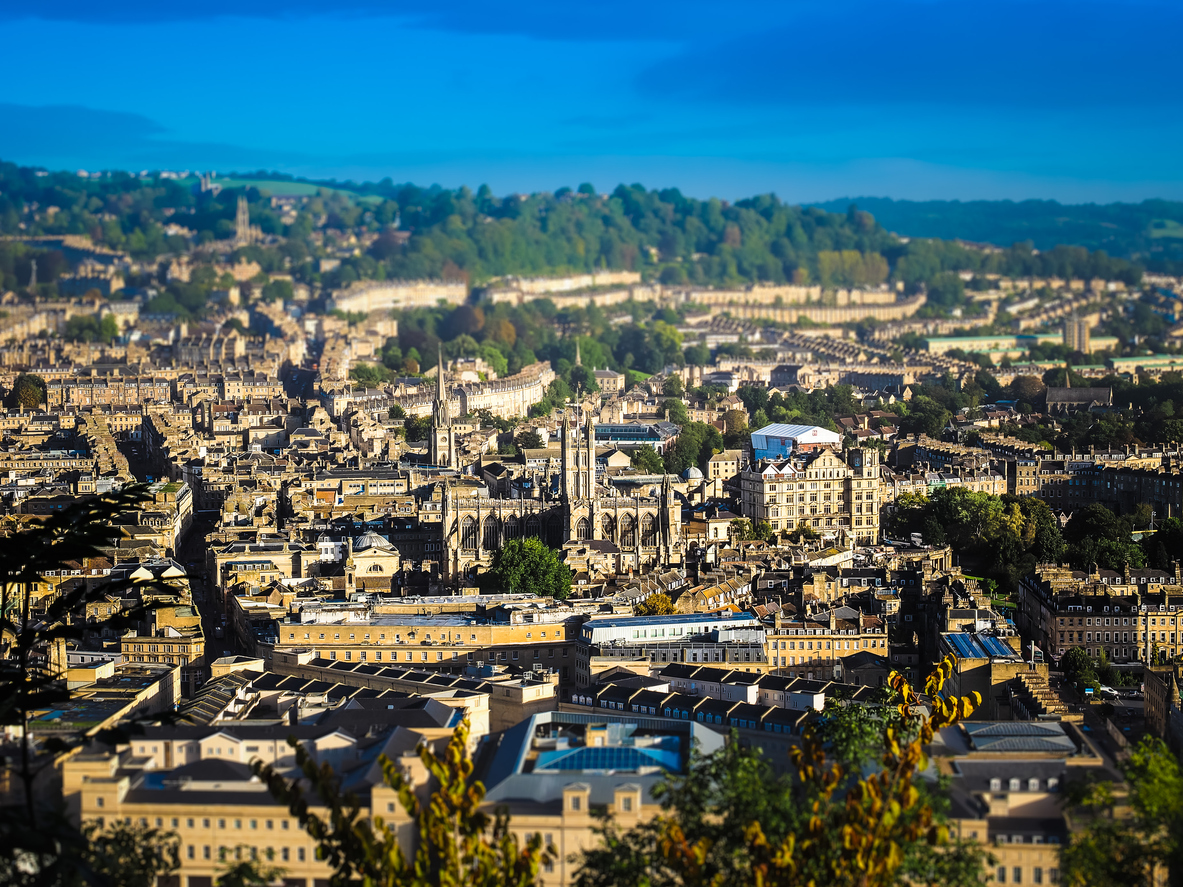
(443, 436)
(578, 359)
(1067, 375)
(590, 455)
(567, 455)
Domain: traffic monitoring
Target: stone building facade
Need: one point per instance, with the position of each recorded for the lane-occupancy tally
(620, 532)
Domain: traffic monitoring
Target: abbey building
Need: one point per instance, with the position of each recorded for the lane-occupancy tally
(597, 526)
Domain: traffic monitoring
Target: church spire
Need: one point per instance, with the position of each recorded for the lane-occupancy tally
(566, 454)
(443, 435)
(578, 359)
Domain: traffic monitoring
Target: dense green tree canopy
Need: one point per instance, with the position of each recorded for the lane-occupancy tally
(1141, 846)
(90, 328)
(1097, 536)
(527, 566)
(695, 445)
(647, 460)
(28, 391)
(1011, 533)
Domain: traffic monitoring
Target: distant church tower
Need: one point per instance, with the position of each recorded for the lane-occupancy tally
(242, 222)
(443, 435)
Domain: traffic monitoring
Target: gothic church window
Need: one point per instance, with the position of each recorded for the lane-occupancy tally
(648, 531)
(628, 532)
(609, 525)
(468, 534)
(554, 532)
(492, 534)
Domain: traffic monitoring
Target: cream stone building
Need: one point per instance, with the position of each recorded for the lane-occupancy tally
(826, 490)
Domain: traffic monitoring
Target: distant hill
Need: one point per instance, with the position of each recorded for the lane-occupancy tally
(1151, 231)
(414, 233)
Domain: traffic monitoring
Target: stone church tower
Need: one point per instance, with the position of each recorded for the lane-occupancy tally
(443, 435)
(579, 481)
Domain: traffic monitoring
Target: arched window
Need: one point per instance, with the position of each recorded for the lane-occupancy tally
(375, 568)
(628, 532)
(513, 527)
(609, 525)
(583, 529)
(533, 526)
(648, 531)
(554, 531)
(468, 534)
(491, 538)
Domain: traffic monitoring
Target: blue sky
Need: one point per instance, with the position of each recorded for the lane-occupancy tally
(921, 99)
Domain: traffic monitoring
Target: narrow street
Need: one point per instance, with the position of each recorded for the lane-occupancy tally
(133, 451)
(191, 556)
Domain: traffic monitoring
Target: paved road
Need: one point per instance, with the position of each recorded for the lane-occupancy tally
(298, 383)
(134, 451)
(192, 557)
